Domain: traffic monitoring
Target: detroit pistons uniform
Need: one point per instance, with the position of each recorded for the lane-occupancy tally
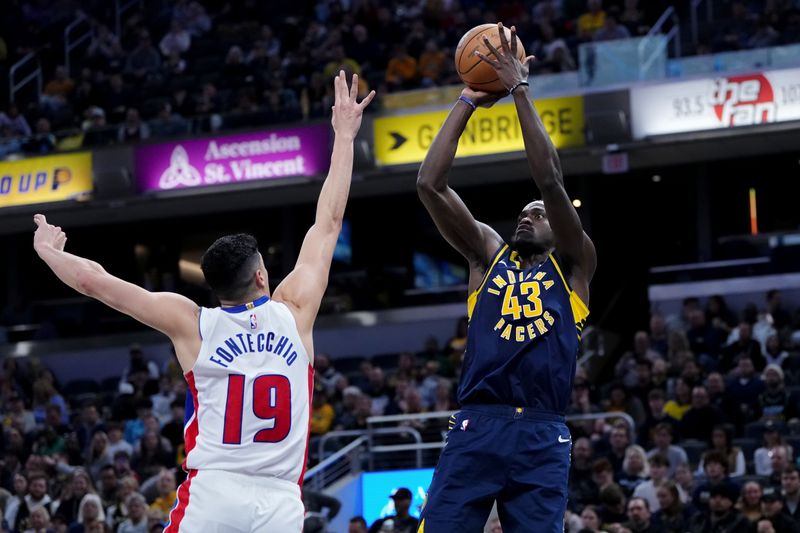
(509, 442)
(247, 423)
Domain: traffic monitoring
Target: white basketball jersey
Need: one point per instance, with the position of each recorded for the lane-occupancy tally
(250, 393)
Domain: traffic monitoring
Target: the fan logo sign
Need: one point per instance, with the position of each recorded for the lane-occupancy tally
(744, 100)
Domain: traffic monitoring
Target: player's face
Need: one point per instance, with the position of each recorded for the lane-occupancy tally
(533, 233)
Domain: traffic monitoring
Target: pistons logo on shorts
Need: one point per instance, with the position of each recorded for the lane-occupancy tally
(253, 321)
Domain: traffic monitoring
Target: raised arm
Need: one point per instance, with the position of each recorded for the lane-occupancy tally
(169, 313)
(302, 290)
(572, 243)
(474, 240)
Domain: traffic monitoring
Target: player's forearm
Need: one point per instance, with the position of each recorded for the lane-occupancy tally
(335, 190)
(539, 150)
(436, 165)
(72, 270)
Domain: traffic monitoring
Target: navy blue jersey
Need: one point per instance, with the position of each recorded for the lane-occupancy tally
(524, 331)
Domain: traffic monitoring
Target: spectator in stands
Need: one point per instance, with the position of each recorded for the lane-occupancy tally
(680, 321)
(639, 518)
(682, 402)
(167, 123)
(78, 486)
(133, 129)
(176, 40)
(635, 469)
(775, 354)
(340, 61)
(444, 399)
(89, 512)
(44, 395)
(612, 504)
(116, 443)
(403, 522)
(749, 503)
(18, 415)
(715, 385)
(721, 437)
(655, 416)
(58, 90)
(626, 366)
(39, 521)
(618, 440)
(582, 489)
(705, 340)
(780, 316)
(322, 413)
(675, 455)
(143, 61)
(89, 424)
(633, 18)
(401, 72)
(648, 489)
(165, 500)
(137, 515)
(620, 401)
(590, 519)
(118, 512)
(591, 20)
(780, 460)
(108, 485)
(790, 486)
(659, 336)
(743, 345)
(379, 391)
(744, 389)
(15, 121)
(104, 50)
(357, 524)
(762, 457)
(611, 30)
(138, 363)
(602, 474)
(720, 516)
(18, 510)
(432, 64)
(698, 421)
(42, 142)
(715, 466)
(151, 455)
(99, 455)
(324, 373)
(718, 314)
(773, 510)
(320, 509)
(776, 403)
(734, 33)
(552, 52)
(684, 478)
(16, 500)
(672, 515)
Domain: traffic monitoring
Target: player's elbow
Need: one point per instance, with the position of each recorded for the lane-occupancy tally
(86, 282)
(426, 187)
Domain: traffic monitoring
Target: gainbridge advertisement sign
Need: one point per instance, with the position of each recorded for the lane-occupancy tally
(716, 103)
(45, 179)
(404, 139)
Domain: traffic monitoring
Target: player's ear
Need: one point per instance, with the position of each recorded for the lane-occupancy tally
(261, 278)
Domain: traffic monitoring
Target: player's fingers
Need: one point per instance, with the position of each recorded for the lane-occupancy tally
(503, 40)
(337, 90)
(514, 41)
(39, 219)
(485, 59)
(529, 59)
(491, 48)
(365, 102)
(354, 88)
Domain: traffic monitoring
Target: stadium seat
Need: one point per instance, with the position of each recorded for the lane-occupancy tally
(747, 445)
(694, 450)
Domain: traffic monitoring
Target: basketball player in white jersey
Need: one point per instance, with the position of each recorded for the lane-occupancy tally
(248, 363)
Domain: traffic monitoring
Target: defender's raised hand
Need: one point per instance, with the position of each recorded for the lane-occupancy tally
(347, 112)
(48, 235)
(511, 71)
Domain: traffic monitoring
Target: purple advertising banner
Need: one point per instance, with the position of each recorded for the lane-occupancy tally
(233, 158)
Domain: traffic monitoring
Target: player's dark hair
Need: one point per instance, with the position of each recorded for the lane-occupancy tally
(229, 264)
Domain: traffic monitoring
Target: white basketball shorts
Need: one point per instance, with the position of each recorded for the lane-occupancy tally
(213, 501)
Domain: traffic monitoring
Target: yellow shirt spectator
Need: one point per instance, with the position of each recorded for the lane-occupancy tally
(321, 419)
(592, 20)
(676, 410)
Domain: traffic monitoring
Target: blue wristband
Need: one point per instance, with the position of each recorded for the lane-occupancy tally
(468, 102)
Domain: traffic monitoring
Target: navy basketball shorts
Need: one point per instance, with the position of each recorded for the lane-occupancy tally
(514, 455)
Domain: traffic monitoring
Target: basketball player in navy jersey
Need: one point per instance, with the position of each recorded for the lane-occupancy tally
(527, 305)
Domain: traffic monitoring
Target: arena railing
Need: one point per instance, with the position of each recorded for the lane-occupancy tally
(349, 458)
(14, 84)
(76, 33)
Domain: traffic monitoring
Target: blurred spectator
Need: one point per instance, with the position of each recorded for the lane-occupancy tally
(116, 443)
(698, 421)
(734, 32)
(553, 54)
(749, 503)
(99, 455)
(718, 314)
(635, 469)
(108, 485)
(43, 141)
(705, 340)
(165, 500)
(58, 90)
(611, 30)
(790, 486)
(357, 524)
(152, 455)
(612, 504)
(15, 121)
(619, 440)
(762, 457)
(143, 61)
(743, 345)
(648, 490)
(591, 20)
(721, 516)
(120, 510)
(137, 515)
(39, 521)
(720, 441)
(89, 512)
(715, 466)
(78, 486)
(684, 478)
(780, 316)
(133, 129)
(639, 518)
(633, 18)
(776, 403)
(44, 395)
(678, 406)
(780, 460)
(320, 509)
(672, 514)
(401, 72)
(138, 363)
(773, 510)
(775, 354)
(19, 509)
(403, 522)
(745, 389)
(340, 61)
(322, 413)
(104, 49)
(675, 455)
(176, 40)
(168, 124)
(432, 64)
(620, 401)
(590, 519)
(655, 416)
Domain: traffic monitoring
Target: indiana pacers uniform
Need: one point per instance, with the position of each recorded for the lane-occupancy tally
(247, 423)
(509, 441)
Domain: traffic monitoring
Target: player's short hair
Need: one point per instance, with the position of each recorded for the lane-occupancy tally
(228, 265)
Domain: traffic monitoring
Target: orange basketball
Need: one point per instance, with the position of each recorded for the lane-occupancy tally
(474, 72)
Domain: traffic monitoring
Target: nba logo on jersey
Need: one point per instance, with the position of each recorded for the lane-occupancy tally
(464, 424)
(253, 321)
